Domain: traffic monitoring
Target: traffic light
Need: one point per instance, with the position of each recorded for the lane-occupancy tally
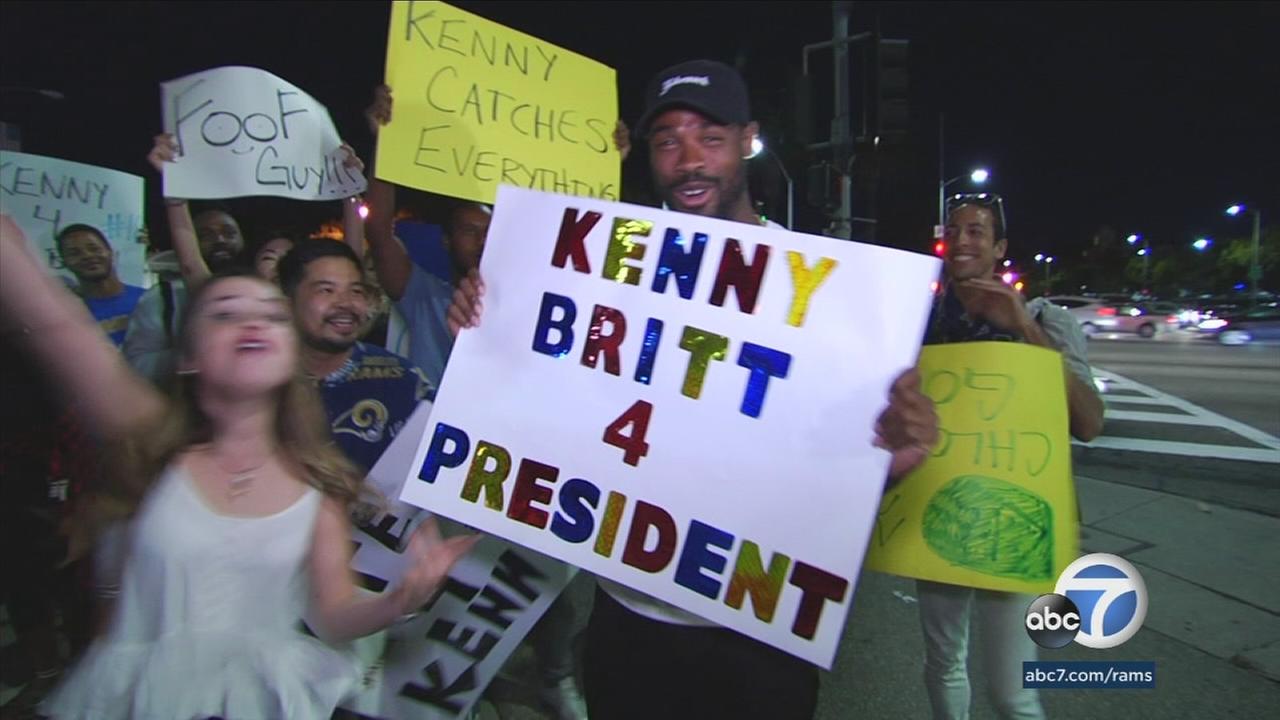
(892, 84)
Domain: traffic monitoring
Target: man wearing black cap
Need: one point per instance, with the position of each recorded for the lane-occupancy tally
(646, 658)
(697, 124)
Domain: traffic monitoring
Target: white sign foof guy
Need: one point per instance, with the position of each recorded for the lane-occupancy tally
(436, 665)
(43, 195)
(683, 405)
(243, 131)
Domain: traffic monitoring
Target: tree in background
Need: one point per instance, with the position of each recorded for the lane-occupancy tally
(1237, 254)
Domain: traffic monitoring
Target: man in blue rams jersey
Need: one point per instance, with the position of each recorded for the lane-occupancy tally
(368, 393)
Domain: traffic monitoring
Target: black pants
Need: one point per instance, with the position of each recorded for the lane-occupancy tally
(642, 669)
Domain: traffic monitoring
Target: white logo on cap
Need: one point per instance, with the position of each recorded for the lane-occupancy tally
(671, 82)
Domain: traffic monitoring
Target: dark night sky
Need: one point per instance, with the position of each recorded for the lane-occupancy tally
(1146, 117)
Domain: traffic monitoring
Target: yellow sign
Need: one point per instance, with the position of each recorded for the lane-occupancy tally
(478, 105)
(994, 506)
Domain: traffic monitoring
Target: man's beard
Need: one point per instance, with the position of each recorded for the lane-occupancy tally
(221, 258)
(330, 347)
(728, 193)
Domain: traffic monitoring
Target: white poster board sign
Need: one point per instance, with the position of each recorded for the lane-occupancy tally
(680, 404)
(43, 195)
(438, 664)
(243, 131)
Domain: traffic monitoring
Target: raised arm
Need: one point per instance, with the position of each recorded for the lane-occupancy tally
(50, 322)
(338, 612)
(182, 231)
(390, 259)
(352, 223)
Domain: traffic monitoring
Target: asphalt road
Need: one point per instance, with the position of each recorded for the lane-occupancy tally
(1242, 383)
(1189, 417)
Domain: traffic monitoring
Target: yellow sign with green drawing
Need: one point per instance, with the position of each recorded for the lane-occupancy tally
(478, 104)
(994, 505)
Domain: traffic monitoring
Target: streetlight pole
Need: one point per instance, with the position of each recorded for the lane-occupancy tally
(841, 135)
(1145, 254)
(978, 176)
(1047, 260)
(942, 173)
(757, 147)
(1255, 268)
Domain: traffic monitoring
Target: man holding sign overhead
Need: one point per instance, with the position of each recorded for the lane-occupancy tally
(977, 307)
(647, 658)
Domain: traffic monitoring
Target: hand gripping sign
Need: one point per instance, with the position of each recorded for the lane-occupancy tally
(994, 505)
(681, 404)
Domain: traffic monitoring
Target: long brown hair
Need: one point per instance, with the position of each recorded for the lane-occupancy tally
(301, 430)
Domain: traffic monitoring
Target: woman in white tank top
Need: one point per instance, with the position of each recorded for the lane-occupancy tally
(240, 530)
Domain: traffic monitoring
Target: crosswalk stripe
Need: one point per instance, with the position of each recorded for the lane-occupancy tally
(1135, 400)
(1158, 418)
(1167, 447)
(1193, 415)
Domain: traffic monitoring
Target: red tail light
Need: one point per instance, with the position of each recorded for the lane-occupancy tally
(1171, 319)
(1107, 311)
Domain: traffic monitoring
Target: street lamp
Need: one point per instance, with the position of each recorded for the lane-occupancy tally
(1145, 253)
(1202, 244)
(977, 177)
(1255, 270)
(1047, 260)
(757, 148)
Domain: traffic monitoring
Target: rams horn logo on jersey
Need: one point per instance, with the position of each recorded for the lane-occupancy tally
(367, 420)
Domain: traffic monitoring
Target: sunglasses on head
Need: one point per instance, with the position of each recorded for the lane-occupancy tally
(988, 200)
(991, 201)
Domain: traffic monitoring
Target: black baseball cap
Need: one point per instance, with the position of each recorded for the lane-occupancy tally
(712, 88)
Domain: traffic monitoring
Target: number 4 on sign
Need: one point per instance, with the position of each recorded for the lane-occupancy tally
(633, 445)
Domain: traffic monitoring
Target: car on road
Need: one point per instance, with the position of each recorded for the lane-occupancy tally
(1243, 328)
(1097, 315)
(1188, 315)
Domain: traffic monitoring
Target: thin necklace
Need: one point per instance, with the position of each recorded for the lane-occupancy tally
(240, 482)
